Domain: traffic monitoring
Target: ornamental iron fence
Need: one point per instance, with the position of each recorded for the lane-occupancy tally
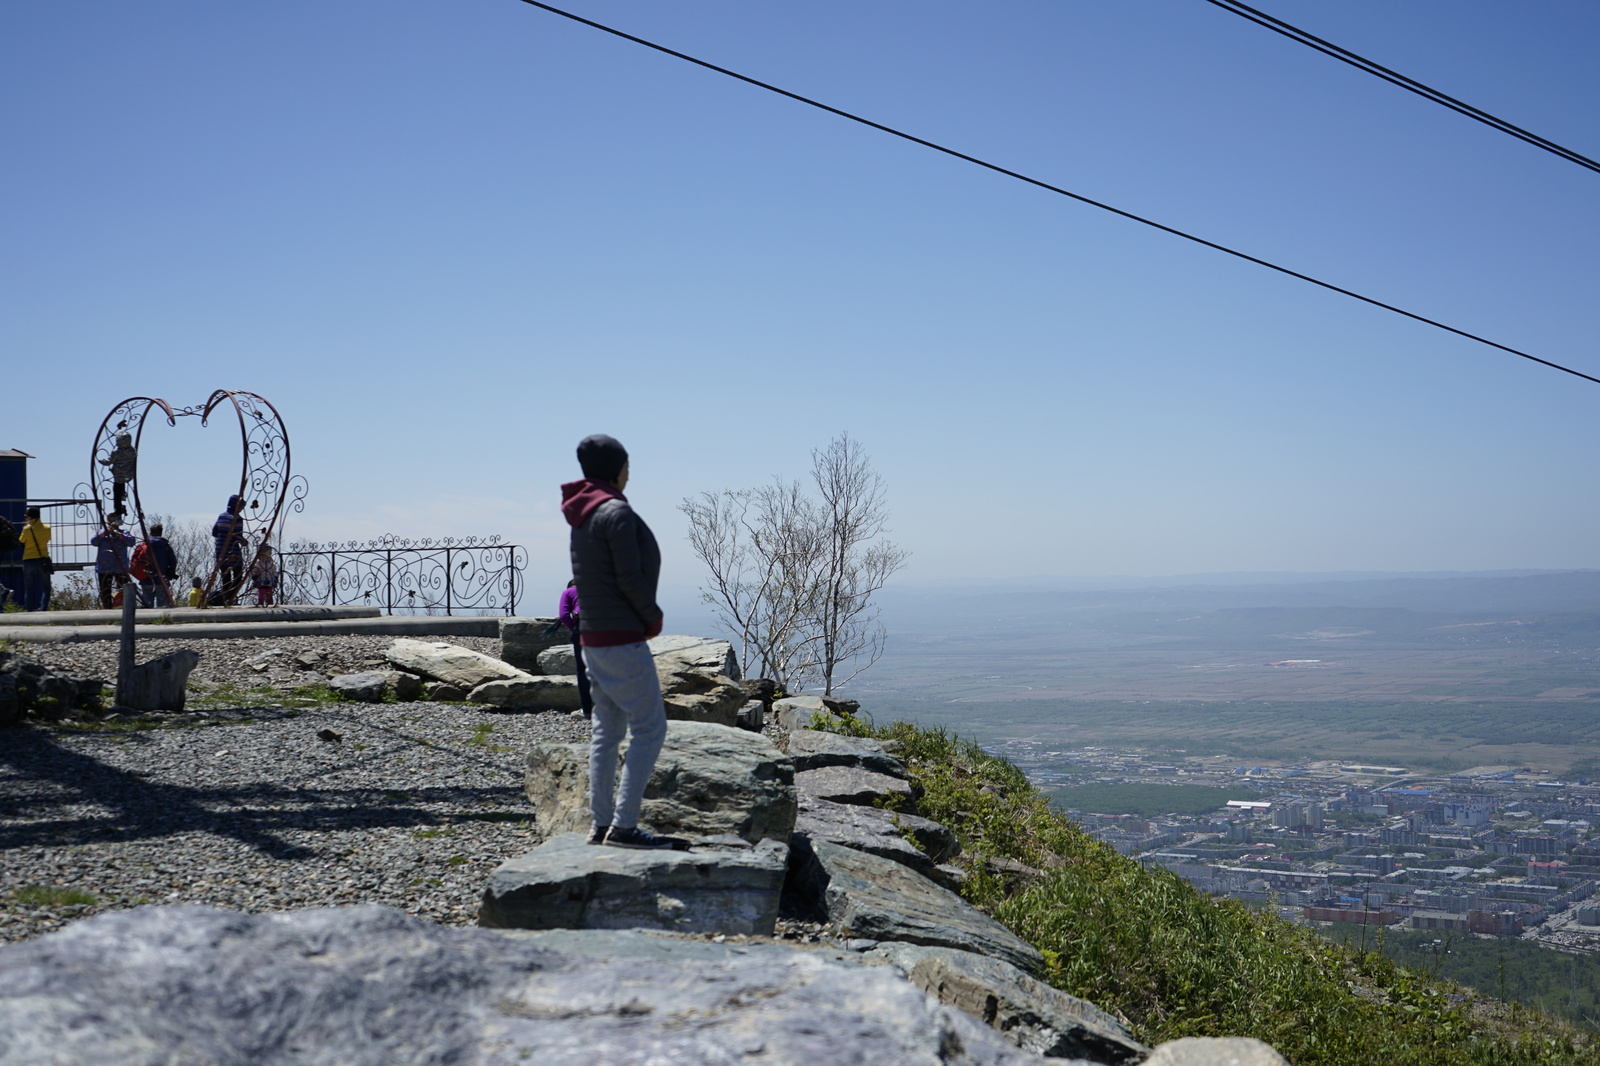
(470, 575)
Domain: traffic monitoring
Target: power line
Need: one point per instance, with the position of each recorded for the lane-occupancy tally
(1294, 33)
(1054, 188)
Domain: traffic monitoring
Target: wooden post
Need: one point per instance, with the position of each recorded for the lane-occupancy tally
(130, 602)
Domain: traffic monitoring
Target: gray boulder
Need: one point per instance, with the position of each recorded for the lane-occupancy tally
(705, 653)
(708, 780)
(1027, 1011)
(450, 663)
(1215, 1051)
(522, 639)
(529, 693)
(752, 716)
(692, 694)
(362, 688)
(557, 660)
(368, 986)
(567, 883)
(798, 712)
(874, 831)
(403, 686)
(160, 684)
(438, 690)
(373, 685)
(812, 749)
(879, 899)
(851, 784)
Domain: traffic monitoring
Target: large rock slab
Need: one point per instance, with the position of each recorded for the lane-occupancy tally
(876, 832)
(879, 899)
(527, 692)
(812, 749)
(692, 694)
(851, 784)
(1215, 1051)
(567, 883)
(1027, 1011)
(708, 780)
(368, 986)
(522, 639)
(454, 665)
(705, 653)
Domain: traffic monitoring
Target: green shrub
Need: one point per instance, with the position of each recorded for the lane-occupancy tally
(48, 896)
(1173, 962)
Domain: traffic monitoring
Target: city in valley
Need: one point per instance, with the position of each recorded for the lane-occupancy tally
(1491, 850)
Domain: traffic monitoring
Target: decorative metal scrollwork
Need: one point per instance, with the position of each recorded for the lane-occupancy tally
(266, 482)
(426, 576)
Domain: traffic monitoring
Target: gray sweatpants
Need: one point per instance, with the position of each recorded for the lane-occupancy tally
(627, 701)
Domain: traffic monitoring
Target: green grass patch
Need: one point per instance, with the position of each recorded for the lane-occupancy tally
(1147, 945)
(46, 896)
(1566, 984)
(429, 834)
(1147, 800)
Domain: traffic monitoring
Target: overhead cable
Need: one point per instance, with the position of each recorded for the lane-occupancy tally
(1294, 33)
(1054, 188)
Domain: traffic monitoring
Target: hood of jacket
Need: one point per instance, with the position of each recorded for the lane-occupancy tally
(580, 498)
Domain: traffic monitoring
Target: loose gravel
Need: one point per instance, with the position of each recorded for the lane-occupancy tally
(262, 795)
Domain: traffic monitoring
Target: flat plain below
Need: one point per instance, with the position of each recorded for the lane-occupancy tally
(1507, 683)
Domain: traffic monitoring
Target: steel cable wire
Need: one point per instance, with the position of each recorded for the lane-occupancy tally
(1054, 188)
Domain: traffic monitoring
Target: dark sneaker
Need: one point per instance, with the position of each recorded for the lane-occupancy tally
(630, 837)
(597, 835)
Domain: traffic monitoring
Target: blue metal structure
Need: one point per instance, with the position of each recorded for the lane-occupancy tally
(13, 502)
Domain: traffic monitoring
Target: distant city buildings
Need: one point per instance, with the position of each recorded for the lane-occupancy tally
(1497, 851)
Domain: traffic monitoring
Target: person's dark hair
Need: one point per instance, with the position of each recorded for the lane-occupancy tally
(157, 529)
(33, 513)
(235, 504)
(602, 457)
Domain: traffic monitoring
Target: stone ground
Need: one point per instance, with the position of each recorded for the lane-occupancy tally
(237, 802)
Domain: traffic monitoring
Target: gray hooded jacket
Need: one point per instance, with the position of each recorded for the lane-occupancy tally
(615, 562)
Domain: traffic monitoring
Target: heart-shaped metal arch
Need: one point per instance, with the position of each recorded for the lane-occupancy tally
(265, 480)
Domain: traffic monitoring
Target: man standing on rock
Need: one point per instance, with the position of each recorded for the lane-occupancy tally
(616, 564)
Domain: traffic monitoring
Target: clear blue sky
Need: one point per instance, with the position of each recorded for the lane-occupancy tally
(450, 239)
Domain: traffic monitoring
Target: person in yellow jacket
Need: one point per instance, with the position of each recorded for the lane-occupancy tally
(35, 562)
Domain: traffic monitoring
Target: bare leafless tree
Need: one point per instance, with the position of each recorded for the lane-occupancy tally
(761, 548)
(855, 562)
(793, 576)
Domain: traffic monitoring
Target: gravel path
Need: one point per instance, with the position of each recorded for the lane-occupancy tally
(238, 803)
